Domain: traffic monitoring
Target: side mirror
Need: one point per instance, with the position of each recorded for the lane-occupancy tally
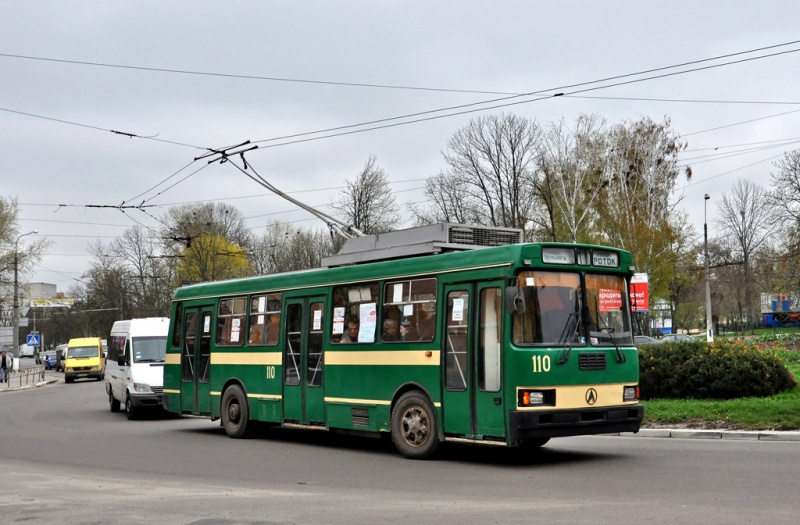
(121, 361)
(515, 301)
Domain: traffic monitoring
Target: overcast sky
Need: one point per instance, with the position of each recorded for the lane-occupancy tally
(183, 76)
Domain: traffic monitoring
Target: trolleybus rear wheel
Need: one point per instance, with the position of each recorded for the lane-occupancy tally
(235, 412)
(414, 429)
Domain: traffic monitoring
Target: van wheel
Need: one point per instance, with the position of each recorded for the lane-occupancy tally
(113, 402)
(131, 412)
(68, 379)
(414, 428)
(234, 412)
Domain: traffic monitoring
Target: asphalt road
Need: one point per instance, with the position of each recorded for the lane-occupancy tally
(65, 458)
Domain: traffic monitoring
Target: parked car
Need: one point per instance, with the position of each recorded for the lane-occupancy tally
(645, 340)
(676, 338)
(48, 360)
(60, 357)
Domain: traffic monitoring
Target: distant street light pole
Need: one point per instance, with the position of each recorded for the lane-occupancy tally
(16, 291)
(709, 320)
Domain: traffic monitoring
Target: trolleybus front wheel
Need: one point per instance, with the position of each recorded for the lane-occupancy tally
(414, 429)
(235, 412)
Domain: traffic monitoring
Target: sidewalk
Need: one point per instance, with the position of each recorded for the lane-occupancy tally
(16, 383)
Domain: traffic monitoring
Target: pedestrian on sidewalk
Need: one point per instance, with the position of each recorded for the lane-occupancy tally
(6, 365)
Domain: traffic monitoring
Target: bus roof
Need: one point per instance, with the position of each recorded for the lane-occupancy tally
(509, 255)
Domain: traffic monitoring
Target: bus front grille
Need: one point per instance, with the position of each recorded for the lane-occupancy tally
(588, 361)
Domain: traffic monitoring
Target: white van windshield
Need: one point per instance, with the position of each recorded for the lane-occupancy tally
(149, 349)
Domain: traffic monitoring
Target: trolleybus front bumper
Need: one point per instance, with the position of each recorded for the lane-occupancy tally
(529, 424)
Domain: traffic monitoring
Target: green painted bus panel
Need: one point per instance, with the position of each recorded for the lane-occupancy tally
(359, 396)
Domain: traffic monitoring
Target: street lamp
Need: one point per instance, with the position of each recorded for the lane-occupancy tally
(16, 290)
(709, 320)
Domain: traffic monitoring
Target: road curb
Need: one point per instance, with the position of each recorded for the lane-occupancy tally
(690, 433)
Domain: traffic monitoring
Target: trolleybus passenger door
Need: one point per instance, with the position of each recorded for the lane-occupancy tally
(472, 397)
(303, 393)
(195, 360)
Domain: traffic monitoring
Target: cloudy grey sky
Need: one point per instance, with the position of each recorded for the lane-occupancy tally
(198, 74)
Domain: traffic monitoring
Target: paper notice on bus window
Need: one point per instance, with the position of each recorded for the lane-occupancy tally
(397, 293)
(338, 327)
(234, 337)
(529, 281)
(458, 309)
(317, 320)
(368, 315)
(262, 304)
(260, 319)
(207, 324)
(338, 314)
(408, 310)
(609, 300)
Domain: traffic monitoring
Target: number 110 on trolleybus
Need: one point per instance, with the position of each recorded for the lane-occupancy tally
(508, 345)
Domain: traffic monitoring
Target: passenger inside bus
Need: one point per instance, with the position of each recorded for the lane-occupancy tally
(390, 331)
(351, 330)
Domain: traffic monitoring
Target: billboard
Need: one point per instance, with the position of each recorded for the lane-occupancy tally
(640, 293)
(56, 302)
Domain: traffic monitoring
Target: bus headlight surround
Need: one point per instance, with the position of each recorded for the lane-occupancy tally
(630, 393)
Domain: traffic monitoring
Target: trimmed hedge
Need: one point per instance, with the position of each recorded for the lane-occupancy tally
(720, 370)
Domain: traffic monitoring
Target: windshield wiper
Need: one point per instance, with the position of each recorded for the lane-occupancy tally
(567, 335)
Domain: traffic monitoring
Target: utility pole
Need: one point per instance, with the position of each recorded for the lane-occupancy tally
(709, 319)
(16, 289)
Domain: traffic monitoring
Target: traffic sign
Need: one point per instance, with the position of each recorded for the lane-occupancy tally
(33, 340)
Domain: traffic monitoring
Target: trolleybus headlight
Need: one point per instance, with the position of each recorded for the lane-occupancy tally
(532, 397)
(630, 393)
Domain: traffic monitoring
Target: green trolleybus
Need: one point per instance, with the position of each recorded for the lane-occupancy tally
(508, 345)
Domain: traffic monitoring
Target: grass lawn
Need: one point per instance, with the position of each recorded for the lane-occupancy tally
(779, 412)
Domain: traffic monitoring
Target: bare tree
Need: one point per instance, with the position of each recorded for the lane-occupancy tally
(493, 161)
(266, 247)
(570, 178)
(448, 201)
(367, 202)
(636, 210)
(745, 217)
(303, 249)
(149, 277)
(785, 198)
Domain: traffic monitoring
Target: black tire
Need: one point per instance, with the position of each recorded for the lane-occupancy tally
(534, 444)
(130, 411)
(113, 402)
(415, 432)
(235, 412)
(69, 379)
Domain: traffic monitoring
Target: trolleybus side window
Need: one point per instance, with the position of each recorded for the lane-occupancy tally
(265, 319)
(552, 309)
(187, 352)
(205, 348)
(177, 327)
(354, 313)
(409, 310)
(291, 350)
(609, 310)
(456, 367)
(230, 321)
(316, 322)
(489, 340)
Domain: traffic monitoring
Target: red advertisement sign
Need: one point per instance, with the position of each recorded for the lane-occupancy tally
(640, 292)
(609, 300)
